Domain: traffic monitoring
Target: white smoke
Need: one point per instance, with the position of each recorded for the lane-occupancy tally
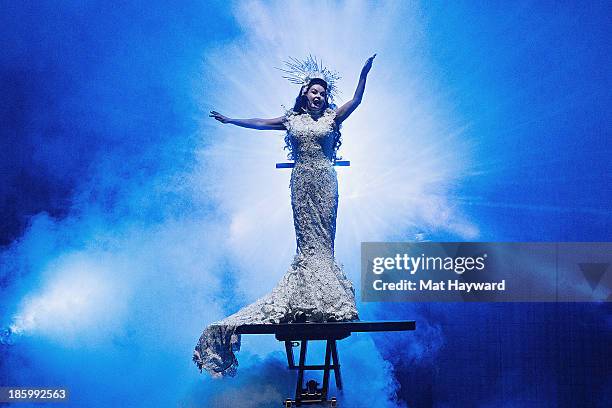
(158, 284)
(405, 148)
(80, 300)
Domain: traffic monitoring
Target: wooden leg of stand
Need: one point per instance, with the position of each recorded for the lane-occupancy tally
(336, 361)
(300, 379)
(290, 359)
(326, 371)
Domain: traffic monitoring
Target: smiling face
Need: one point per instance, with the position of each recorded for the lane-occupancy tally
(316, 96)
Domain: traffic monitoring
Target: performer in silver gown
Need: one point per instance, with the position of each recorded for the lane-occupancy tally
(314, 289)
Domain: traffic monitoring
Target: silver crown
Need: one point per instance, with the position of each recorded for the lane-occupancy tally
(301, 72)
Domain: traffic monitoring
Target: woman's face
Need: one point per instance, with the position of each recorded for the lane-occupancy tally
(316, 95)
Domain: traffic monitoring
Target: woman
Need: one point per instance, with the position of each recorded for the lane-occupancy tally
(314, 289)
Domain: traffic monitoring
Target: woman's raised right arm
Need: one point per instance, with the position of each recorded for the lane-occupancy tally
(259, 124)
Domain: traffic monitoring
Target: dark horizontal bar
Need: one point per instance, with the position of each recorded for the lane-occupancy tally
(314, 367)
(290, 165)
(318, 329)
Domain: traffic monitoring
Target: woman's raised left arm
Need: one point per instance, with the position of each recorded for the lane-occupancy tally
(345, 110)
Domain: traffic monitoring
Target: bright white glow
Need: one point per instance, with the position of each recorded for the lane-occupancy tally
(405, 147)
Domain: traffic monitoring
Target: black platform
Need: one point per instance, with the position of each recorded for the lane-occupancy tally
(298, 334)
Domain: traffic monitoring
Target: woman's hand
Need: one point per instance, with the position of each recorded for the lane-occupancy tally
(367, 66)
(219, 117)
(345, 110)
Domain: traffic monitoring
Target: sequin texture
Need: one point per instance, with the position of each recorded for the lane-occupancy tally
(314, 289)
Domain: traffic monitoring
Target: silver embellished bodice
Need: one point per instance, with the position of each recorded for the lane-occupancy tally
(314, 289)
(314, 185)
(312, 139)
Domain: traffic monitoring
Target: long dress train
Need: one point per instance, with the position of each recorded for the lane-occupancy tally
(314, 289)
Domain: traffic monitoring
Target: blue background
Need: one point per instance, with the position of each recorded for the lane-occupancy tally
(93, 98)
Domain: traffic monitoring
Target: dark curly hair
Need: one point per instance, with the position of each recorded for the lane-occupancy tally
(300, 108)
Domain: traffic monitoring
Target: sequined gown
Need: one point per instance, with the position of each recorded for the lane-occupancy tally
(314, 289)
